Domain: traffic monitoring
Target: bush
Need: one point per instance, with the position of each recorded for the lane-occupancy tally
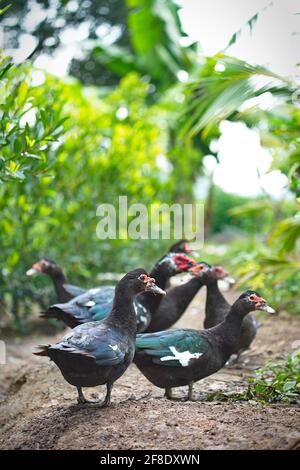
(109, 146)
(29, 125)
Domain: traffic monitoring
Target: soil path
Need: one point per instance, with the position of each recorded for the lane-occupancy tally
(38, 408)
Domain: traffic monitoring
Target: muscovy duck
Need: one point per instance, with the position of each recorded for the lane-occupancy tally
(176, 358)
(217, 307)
(181, 247)
(174, 304)
(96, 303)
(64, 290)
(98, 353)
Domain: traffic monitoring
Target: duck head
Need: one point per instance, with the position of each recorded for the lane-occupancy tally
(182, 246)
(44, 265)
(208, 273)
(203, 271)
(175, 263)
(250, 301)
(138, 281)
(223, 275)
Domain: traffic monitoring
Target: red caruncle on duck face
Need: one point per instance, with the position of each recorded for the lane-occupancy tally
(187, 248)
(44, 265)
(146, 279)
(199, 269)
(259, 303)
(150, 286)
(257, 300)
(219, 272)
(183, 263)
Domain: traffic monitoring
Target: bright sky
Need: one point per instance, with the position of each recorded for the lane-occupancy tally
(274, 42)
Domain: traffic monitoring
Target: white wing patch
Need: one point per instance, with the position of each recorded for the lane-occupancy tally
(183, 357)
(113, 347)
(138, 305)
(93, 291)
(89, 303)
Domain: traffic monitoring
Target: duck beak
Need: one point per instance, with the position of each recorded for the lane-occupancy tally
(266, 308)
(194, 254)
(35, 268)
(31, 272)
(189, 250)
(152, 287)
(229, 280)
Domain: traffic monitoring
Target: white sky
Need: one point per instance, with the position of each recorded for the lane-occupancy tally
(274, 42)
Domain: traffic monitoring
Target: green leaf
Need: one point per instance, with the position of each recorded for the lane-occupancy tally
(22, 92)
(217, 95)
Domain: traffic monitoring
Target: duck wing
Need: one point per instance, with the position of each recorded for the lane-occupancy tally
(172, 347)
(74, 291)
(105, 346)
(96, 303)
(93, 305)
(143, 315)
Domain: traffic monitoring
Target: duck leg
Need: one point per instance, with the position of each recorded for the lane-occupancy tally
(170, 396)
(190, 392)
(81, 400)
(233, 360)
(106, 401)
(168, 393)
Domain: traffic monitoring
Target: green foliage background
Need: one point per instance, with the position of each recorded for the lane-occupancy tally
(66, 147)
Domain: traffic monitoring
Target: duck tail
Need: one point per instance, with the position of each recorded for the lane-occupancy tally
(41, 350)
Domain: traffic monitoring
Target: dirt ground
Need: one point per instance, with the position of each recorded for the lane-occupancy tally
(38, 408)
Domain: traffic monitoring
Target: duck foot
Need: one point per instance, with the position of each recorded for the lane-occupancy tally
(133, 398)
(170, 396)
(81, 400)
(233, 361)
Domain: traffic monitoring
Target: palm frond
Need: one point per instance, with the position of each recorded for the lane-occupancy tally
(221, 86)
(287, 233)
(249, 24)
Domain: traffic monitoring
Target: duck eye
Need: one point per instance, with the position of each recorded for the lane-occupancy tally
(252, 297)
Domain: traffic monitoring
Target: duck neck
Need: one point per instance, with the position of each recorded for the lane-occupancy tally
(215, 298)
(228, 332)
(161, 274)
(59, 279)
(123, 314)
(184, 293)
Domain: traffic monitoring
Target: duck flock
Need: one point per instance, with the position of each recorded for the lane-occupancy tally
(113, 326)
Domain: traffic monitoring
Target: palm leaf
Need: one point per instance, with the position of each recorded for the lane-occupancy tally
(155, 38)
(222, 85)
(156, 50)
(287, 233)
(249, 24)
(115, 58)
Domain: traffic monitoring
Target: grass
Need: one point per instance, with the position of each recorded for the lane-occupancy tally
(277, 382)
